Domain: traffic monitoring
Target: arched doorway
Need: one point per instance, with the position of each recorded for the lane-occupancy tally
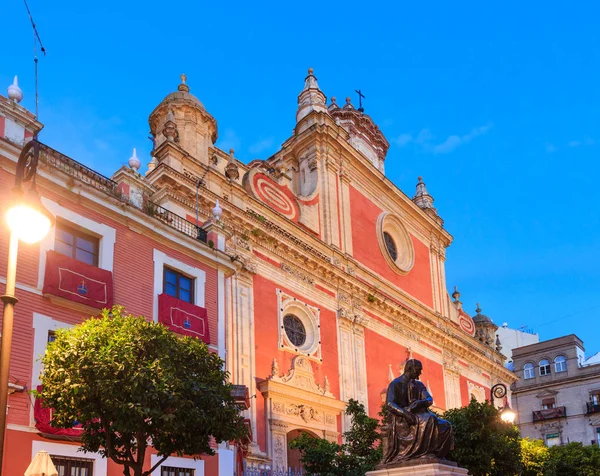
(293, 456)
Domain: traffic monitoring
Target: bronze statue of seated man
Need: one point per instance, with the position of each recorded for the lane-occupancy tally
(414, 431)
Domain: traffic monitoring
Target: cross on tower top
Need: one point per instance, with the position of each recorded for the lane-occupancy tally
(361, 96)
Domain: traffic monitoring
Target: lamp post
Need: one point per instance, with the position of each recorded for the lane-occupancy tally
(29, 221)
(507, 414)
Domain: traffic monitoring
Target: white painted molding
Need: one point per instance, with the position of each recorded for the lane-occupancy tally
(70, 451)
(41, 325)
(199, 275)
(177, 462)
(107, 234)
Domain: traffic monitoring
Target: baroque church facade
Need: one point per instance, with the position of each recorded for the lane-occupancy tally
(341, 276)
(315, 278)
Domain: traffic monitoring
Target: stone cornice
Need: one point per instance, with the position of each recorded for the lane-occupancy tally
(554, 383)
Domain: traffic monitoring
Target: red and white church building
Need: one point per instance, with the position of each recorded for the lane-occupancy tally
(310, 273)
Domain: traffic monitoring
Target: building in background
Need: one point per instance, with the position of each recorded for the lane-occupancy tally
(318, 276)
(557, 396)
(513, 338)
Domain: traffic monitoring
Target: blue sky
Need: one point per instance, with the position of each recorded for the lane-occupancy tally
(495, 104)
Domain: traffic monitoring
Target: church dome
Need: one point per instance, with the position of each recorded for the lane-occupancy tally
(181, 96)
(183, 117)
(481, 318)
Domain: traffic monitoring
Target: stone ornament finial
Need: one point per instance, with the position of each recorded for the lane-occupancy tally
(456, 294)
(14, 91)
(231, 169)
(134, 162)
(170, 130)
(217, 211)
(422, 197)
(274, 368)
(183, 86)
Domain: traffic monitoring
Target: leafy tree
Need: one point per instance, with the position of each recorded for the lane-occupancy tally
(133, 384)
(573, 459)
(358, 454)
(484, 444)
(534, 455)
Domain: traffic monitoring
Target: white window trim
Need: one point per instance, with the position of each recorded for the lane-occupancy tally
(532, 369)
(41, 325)
(70, 451)
(199, 275)
(561, 362)
(310, 318)
(177, 462)
(107, 234)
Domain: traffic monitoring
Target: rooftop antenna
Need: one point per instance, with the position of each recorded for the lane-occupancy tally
(36, 39)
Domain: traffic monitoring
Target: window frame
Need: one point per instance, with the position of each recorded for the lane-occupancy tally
(69, 450)
(179, 274)
(547, 368)
(178, 462)
(71, 460)
(563, 367)
(526, 369)
(555, 437)
(309, 316)
(548, 405)
(77, 232)
(107, 235)
(178, 471)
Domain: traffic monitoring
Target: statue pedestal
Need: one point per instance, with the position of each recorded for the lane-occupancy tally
(420, 468)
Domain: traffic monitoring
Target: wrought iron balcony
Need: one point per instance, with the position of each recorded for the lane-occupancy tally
(549, 414)
(78, 171)
(593, 408)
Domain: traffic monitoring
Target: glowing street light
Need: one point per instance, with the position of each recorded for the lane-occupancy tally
(508, 415)
(28, 220)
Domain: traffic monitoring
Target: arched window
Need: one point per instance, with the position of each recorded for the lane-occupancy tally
(528, 371)
(560, 364)
(544, 367)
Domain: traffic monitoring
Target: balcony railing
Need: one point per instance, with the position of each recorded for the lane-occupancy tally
(593, 408)
(549, 414)
(71, 167)
(76, 170)
(175, 221)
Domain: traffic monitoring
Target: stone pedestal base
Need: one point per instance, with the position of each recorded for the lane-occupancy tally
(416, 468)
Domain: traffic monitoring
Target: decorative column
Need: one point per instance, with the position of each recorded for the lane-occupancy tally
(451, 381)
(241, 358)
(278, 430)
(352, 358)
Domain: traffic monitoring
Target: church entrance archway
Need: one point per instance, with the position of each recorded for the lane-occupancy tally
(293, 456)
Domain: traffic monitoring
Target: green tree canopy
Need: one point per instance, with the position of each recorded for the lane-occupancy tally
(358, 454)
(534, 455)
(133, 383)
(484, 444)
(573, 459)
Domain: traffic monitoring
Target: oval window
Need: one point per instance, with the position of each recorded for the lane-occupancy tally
(295, 330)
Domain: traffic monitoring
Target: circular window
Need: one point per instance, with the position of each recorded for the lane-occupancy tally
(395, 243)
(295, 330)
(390, 245)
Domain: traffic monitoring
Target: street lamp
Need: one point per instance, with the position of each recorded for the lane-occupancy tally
(29, 221)
(507, 414)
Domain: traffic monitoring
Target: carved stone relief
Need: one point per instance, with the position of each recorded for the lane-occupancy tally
(302, 376)
(296, 273)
